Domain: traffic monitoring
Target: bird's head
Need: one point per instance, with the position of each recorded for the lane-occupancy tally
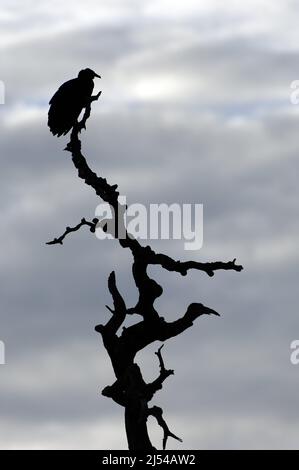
(87, 74)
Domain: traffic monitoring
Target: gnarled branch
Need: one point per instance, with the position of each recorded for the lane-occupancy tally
(129, 389)
(92, 227)
(156, 385)
(157, 412)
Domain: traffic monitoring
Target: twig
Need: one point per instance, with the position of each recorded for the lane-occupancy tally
(163, 371)
(157, 412)
(92, 227)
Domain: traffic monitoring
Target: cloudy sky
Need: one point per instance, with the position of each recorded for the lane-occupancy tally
(195, 109)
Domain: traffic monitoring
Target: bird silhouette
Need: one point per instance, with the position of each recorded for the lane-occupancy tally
(69, 100)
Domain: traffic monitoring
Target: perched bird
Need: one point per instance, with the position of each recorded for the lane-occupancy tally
(69, 100)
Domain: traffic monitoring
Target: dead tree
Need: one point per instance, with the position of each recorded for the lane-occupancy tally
(129, 389)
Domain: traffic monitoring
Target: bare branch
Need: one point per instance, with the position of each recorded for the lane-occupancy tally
(109, 194)
(114, 391)
(110, 309)
(164, 373)
(92, 227)
(157, 412)
(156, 385)
(170, 329)
(183, 267)
(118, 301)
(120, 310)
(130, 389)
(161, 362)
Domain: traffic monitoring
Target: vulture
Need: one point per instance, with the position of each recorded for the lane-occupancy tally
(68, 102)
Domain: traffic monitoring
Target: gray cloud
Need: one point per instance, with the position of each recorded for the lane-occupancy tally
(195, 108)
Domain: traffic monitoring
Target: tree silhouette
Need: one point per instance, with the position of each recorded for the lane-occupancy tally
(129, 389)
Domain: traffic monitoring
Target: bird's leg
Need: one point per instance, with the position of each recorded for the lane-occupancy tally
(82, 124)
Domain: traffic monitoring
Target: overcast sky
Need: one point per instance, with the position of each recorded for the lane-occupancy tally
(195, 108)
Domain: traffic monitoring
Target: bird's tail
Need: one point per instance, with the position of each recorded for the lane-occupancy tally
(59, 124)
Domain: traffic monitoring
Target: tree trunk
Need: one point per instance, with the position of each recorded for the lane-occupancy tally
(136, 428)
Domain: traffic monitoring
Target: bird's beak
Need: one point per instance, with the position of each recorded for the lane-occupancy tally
(96, 75)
